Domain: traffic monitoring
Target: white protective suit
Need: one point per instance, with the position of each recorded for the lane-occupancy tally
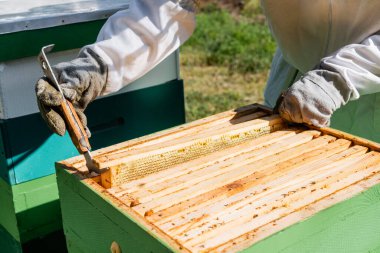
(342, 34)
(134, 41)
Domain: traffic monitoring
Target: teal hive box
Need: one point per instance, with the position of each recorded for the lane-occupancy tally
(29, 149)
(31, 209)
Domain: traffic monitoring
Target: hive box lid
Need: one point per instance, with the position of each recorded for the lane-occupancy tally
(21, 15)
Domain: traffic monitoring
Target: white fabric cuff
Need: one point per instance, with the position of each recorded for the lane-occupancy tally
(359, 65)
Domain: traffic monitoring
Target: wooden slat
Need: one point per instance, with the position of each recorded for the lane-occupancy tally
(264, 188)
(204, 186)
(126, 191)
(186, 207)
(248, 239)
(185, 168)
(355, 139)
(208, 173)
(349, 174)
(115, 159)
(124, 167)
(231, 116)
(275, 204)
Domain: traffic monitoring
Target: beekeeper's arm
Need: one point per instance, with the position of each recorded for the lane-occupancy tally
(131, 43)
(352, 71)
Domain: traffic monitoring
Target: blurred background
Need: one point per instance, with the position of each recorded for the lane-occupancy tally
(226, 62)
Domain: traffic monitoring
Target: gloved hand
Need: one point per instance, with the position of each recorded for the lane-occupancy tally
(81, 80)
(315, 97)
(189, 5)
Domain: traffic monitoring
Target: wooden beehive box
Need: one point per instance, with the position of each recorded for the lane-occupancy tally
(227, 183)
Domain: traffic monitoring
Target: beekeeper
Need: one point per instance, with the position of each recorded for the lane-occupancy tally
(328, 54)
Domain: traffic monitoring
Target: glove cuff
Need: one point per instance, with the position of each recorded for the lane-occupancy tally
(83, 79)
(332, 84)
(313, 98)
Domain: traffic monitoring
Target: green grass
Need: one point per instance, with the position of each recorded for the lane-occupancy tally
(225, 63)
(240, 45)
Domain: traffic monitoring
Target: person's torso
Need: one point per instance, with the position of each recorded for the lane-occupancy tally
(307, 31)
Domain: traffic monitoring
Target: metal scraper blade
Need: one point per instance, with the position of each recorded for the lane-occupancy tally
(91, 165)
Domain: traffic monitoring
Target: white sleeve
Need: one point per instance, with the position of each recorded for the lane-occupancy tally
(359, 65)
(134, 41)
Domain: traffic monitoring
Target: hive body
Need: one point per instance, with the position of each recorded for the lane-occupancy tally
(229, 183)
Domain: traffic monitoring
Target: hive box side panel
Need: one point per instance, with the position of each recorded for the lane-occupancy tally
(350, 226)
(91, 223)
(8, 243)
(30, 210)
(85, 33)
(37, 207)
(6, 173)
(305, 200)
(8, 220)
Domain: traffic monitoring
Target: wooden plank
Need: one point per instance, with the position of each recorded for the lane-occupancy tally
(208, 173)
(128, 166)
(201, 162)
(350, 205)
(226, 178)
(335, 132)
(353, 171)
(355, 139)
(78, 162)
(115, 159)
(200, 202)
(260, 190)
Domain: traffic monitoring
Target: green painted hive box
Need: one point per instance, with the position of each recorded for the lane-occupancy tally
(239, 181)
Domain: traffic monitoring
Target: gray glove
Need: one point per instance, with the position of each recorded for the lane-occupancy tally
(81, 80)
(315, 97)
(189, 5)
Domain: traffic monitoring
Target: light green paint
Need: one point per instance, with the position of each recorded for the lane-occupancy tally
(7, 211)
(30, 210)
(35, 193)
(377, 250)
(348, 227)
(91, 223)
(37, 207)
(351, 226)
(74, 245)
